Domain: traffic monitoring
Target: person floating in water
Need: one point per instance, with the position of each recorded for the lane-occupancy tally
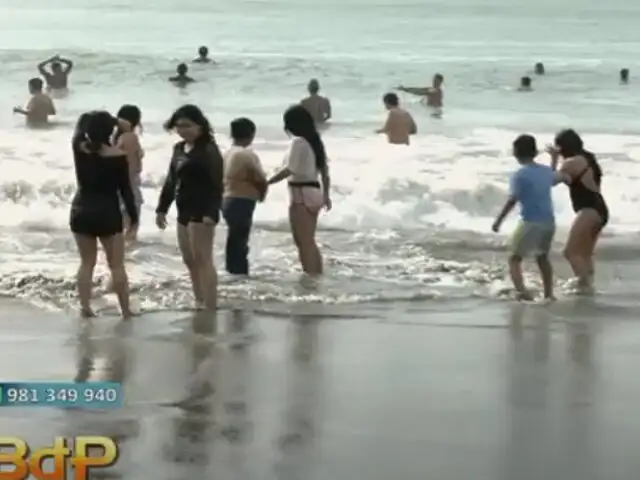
(539, 68)
(531, 188)
(58, 77)
(40, 106)
(181, 79)
(433, 95)
(592, 214)
(318, 106)
(203, 56)
(399, 124)
(624, 76)
(525, 85)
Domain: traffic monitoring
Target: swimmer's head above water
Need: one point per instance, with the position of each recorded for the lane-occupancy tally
(313, 87)
(525, 148)
(203, 52)
(191, 125)
(525, 84)
(182, 69)
(35, 85)
(390, 100)
(624, 75)
(539, 68)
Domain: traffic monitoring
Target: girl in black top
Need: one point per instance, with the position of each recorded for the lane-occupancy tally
(592, 214)
(195, 182)
(102, 177)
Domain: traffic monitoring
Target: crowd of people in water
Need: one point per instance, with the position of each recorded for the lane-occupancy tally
(205, 184)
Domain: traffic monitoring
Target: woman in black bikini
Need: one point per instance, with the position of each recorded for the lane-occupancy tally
(591, 210)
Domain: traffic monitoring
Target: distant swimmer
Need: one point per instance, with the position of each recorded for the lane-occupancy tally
(433, 95)
(126, 139)
(399, 124)
(40, 106)
(181, 79)
(539, 68)
(624, 76)
(203, 56)
(531, 187)
(318, 106)
(525, 85)
(58, 77)
(592, 214)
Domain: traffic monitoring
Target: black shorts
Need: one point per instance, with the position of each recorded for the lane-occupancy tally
(93, 225)
(185, 218)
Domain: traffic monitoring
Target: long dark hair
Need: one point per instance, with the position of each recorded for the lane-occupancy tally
(130, 113)
(570, 145)
(195, 115)
(80, 132)
(99, 130)
(299, 122)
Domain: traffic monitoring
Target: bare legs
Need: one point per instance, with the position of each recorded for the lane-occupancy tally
(303, 228)
(114, 250)
(581, 244)
(196, 246)
(546, 273)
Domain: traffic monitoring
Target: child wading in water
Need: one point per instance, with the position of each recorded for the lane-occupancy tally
(531, 187)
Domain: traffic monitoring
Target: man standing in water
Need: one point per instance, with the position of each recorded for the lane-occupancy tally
(318, 106)
(58, 77)
(400, 124)
(181, 79)
(40, 106)
(433, 95)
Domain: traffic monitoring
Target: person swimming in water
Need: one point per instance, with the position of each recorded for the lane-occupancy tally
(433, 95)
(195, 181)
(624, 76)
(539, 68)
(399, 125)
(318, 106)
(102, 176)
(58, 77)
(203, 56)
(525, 85)
(181, 79)
(307, 172)
(592, 214)
(39, 107)
(126, 138)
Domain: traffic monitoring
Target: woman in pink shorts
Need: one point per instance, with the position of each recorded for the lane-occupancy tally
(307, 173)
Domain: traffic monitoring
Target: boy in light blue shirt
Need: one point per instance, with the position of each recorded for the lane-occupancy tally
(531, 187)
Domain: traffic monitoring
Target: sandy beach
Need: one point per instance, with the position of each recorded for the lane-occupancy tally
(522, 392)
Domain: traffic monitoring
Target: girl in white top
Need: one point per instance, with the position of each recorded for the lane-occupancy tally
(308, 176)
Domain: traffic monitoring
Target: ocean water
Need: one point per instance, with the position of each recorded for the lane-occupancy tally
(409, 223)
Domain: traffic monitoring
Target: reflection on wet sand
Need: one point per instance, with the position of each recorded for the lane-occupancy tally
(550, 415)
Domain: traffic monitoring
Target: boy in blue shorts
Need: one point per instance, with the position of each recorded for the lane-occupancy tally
(531, 187)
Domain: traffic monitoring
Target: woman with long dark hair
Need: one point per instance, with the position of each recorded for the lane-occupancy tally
(102, 179)
(592, 214)
(126, 139)
(195, 181)
(307, 173)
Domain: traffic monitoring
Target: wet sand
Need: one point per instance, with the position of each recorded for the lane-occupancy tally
(498, 392)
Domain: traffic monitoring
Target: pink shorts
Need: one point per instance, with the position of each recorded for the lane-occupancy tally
(310, 197)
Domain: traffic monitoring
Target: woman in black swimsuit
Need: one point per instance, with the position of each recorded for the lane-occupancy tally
(195, 182)
(591, 209)
(102, 174)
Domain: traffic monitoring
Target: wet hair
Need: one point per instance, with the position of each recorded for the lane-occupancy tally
(624, 74)
(99, 126)
(438, 76)
(391, 99)
(539, 68)
(130, 113)
(36, 84)
(203, 51)
(570, 144)
(80, 132)
(182, 69)
(524, 147)
(525, 81)
(56, 66)
(313, 86)
(299, 122)
(242, 129)
(195, 115)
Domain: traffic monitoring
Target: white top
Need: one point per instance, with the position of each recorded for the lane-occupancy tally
(301, 161)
